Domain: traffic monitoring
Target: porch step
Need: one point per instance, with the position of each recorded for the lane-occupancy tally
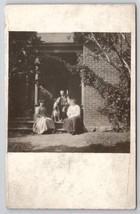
(23, 124)
(59, 125)
(21, 121)
(20, 129)
(20, 118)
(20, 124)
(60, 131)
(30, 129)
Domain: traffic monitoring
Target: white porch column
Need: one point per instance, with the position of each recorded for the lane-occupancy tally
(82, 87)
(36, 89)
(82, 94)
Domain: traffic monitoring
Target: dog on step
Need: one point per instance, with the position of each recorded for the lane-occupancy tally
(56, 112)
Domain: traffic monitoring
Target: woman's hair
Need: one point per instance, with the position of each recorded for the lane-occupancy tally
(73, 100)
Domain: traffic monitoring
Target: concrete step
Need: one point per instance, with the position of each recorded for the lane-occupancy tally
(60, 131)
(19, 129)
(58, 125)
(21, 121)
(22, 124)
(30, 123)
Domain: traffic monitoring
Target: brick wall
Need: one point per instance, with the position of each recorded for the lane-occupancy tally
(92, 100)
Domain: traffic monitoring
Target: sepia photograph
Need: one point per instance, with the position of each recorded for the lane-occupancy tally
(69, 92)
(70, 106)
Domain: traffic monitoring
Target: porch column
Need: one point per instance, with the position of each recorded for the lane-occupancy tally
(36, 89)
(27, 93)
(82, 87)
(82, 94)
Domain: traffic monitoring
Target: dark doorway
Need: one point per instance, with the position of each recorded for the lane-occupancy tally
(55, 76)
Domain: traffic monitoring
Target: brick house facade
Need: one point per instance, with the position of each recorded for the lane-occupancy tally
(91, 99)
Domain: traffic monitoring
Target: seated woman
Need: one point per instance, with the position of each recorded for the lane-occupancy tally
(42, 123)
(73, 124)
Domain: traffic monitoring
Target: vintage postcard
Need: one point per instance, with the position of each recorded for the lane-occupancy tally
(70, 101)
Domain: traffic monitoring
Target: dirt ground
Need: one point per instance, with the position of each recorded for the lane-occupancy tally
(99, 142)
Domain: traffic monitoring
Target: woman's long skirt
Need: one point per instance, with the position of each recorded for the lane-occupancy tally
(73, 125)
(43, 124)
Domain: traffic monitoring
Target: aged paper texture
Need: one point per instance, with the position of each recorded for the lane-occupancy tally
(74, 180)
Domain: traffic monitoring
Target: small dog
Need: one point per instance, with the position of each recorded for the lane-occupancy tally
(56, 112)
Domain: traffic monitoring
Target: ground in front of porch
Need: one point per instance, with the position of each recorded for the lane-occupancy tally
(98, 142)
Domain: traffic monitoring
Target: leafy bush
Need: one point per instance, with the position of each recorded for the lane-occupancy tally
(116, 98)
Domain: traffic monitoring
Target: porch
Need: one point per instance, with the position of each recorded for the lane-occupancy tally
(53, 75)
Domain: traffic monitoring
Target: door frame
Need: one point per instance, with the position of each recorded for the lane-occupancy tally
(58, 48)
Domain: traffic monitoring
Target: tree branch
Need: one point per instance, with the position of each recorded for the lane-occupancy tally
(125, 39)
(123, 61)
(125, 64)
(94, 39)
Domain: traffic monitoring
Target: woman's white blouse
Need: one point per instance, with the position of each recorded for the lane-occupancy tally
(73, 111)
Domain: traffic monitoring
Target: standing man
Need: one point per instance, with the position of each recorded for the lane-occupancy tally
(63, 102)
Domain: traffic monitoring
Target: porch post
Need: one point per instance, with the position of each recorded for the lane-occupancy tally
(36, 89)
(27, 93)
(82, 86)
(82, 94)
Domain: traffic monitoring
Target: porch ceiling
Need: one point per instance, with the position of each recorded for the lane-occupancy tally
(60, 48)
